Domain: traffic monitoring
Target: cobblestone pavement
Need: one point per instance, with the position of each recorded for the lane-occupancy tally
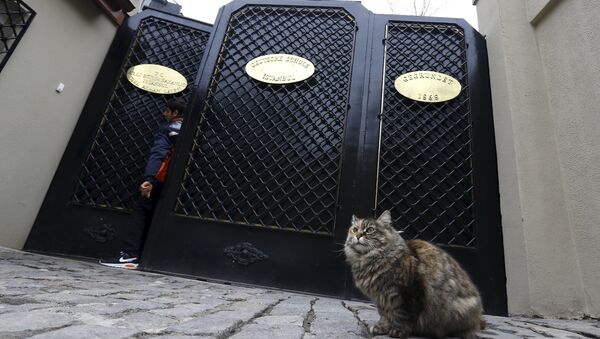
(48, 297)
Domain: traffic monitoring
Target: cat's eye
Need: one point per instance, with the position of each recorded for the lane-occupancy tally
(354, 229)
(370, 230)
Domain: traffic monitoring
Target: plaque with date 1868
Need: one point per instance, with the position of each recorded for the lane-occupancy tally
(427, 86)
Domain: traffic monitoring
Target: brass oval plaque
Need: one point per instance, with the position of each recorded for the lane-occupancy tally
(156, 79)
(280, 68)
(427, 86)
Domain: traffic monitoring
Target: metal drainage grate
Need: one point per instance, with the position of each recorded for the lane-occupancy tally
(15, 17)
(425, 148)
(116, 162)
(269, 155)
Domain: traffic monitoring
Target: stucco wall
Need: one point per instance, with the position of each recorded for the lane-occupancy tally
(66, 42)
(545, 71)
(569, 44)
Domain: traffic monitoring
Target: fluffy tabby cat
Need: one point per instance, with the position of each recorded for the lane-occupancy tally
(417, 287)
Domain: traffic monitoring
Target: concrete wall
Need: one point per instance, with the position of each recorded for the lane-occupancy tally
(66, 42)
(545, 72)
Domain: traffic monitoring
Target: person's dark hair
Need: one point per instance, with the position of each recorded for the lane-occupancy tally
(176, 105)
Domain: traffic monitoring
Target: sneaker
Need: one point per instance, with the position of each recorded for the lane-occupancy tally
(125, 261)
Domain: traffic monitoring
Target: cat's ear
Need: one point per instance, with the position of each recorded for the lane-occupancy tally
(353, 220)
(385, 218)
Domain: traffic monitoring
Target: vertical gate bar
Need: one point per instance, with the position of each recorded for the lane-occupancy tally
(385, 37)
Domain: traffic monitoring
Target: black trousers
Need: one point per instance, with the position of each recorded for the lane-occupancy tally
(140, 221)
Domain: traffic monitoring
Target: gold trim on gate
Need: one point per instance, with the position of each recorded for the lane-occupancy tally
(279, 68)
(427, 86)
(156, 79)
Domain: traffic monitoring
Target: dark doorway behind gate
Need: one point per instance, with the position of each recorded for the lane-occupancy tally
(266, 177)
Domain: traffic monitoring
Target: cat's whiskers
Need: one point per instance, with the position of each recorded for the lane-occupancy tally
(340, 251)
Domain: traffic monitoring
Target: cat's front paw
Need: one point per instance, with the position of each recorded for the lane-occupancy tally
(378, 329)
(398, 333)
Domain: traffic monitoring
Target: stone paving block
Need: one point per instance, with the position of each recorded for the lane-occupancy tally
(499, 327)
(280, 320)
(171, 299)
(22, 284)
(333, 320)
(210, 287)
(133, 296)
(6, 308)
(17, 300)
(270, 330)
(284, 320)
(87, 331)
(204, 288)
(31, 321)
(10, 292)
(294, 305)
(589, 328)
(242, 293)
(59, 287)
(11, 268)
(66, 297)
(253, 304)
(211, 324)
(184, 311)
(200, 290)
(116, 306)
(145, 322)
(367, 313)
(99, 292)
(177, 336)
(220, 321)
(545, 331)
(89, 319)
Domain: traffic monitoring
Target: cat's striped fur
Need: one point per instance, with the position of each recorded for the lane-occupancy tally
(417, 287)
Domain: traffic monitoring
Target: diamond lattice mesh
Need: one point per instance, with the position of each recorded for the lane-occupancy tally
(115, 164)
(269, 155)
(425, 155)
(15, 16)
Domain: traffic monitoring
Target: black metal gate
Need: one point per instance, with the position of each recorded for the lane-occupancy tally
(257, 194)
(93, 190)
(434, 165)
(266, 177)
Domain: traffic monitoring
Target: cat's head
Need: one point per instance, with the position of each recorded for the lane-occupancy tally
(367, 235)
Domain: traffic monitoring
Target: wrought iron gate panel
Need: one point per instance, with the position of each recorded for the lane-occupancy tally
(269, 155)
(425, 170)
(116, 161)
(15, 18)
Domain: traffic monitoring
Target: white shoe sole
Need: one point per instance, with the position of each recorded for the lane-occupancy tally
(126, 265)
